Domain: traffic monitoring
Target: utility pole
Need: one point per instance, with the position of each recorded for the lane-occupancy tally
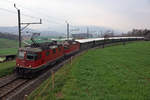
(101, 34)
(19, 25)
(87, 32)
(67, 30)
(19, 28)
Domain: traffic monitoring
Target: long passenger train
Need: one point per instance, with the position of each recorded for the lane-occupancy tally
(37, 57)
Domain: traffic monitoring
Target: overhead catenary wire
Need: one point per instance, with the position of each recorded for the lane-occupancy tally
(38, 12)
(3, 9)
(46, 20)
(41, 13)
(14, 12)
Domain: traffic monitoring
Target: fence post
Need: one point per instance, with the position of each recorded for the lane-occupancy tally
(53, 79)
(25, 97)
(71, 60)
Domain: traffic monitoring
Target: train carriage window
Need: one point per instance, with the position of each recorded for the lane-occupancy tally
(54, 51)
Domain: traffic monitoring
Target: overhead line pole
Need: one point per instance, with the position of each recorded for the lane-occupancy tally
(87, 32)
(33, 22)
(67, 30)
(19, 25)
(27, 24)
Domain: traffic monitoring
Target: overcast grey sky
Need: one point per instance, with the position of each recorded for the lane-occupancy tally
(117, 14)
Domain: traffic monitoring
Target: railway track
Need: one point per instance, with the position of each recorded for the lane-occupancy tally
(10, 83)
(7, 79)
(9, 89)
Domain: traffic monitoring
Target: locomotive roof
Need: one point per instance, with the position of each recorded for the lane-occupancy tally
(30, 49)
(45, 45)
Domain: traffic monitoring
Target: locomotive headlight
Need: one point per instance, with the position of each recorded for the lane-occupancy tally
(30, 66)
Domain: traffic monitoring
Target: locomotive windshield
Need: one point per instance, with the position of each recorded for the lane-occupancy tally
(21, 54)
(31, 56)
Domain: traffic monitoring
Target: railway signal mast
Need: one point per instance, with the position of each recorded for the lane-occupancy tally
(19, 25)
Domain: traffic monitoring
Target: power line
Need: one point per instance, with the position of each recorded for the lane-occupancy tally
(37, 12)
(6, 10)
(3, 9)
(46, 19)
(31, 16)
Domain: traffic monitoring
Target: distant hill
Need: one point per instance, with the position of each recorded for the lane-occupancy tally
(61, 31)
(14, 30)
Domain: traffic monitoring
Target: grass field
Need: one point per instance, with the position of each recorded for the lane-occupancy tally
(6, 43)
(8, 51)
(8, 47)
(112, 73)
(6, 68)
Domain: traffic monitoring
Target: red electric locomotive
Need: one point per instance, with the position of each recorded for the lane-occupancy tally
(71, 47)
(33, 59)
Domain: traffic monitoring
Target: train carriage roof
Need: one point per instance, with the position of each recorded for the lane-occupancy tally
(89, 40)
(99, 39)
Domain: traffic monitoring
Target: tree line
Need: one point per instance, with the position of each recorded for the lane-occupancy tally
(139, 32)
(8, 36)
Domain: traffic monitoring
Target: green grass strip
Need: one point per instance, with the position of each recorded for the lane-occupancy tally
(7, 68)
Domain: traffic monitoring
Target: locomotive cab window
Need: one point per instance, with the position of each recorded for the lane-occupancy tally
(32, 56)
